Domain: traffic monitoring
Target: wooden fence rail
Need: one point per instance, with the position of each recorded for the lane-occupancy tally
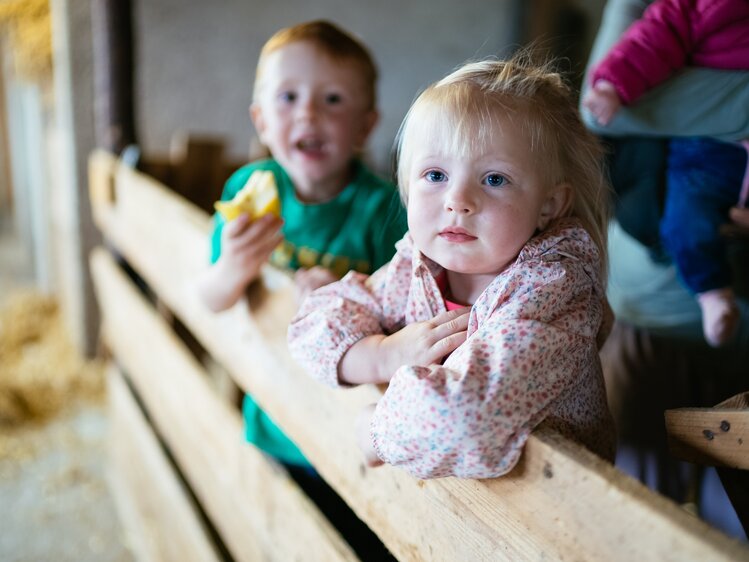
(560, 502)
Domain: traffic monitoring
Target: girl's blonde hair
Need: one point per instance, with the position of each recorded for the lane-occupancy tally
(330, 40)
(462, 109)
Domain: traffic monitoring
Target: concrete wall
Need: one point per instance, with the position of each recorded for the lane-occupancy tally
(195, 60)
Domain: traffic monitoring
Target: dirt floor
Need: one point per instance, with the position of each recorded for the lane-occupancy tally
(54, 492)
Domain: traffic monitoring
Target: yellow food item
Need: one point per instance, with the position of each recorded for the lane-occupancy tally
(258, 197)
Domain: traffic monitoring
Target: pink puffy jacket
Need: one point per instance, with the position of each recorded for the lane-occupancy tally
(672, 34)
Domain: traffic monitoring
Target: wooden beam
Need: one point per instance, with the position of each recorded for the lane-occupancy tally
(716, 436)
(112, 37)
(161, 521)
(560, 502)
(260, 513)
(73, 231)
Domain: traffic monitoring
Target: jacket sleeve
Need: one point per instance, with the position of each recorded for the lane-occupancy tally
(650, 51)
(471, 416)
(336, 316)
(694, 102)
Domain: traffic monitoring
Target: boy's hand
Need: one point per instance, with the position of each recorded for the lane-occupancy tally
(602, 101)
(375, 359)
(246, 245)
(364, 439)
(307, 280)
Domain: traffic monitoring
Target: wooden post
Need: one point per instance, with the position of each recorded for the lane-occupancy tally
(112, 35)
(73, 229)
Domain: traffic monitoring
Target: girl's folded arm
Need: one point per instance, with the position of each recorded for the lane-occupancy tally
(471, 416)
(331, 320)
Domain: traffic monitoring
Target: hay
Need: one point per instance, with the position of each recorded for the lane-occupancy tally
(41, 373)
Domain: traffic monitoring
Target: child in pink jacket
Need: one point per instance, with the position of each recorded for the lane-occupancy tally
(705, 177)
(489, 318)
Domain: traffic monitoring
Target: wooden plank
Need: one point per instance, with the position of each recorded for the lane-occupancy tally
(560, 502)
(716, 436)
(260, 513)
(101, 169)
(197, 167)
(159, 516)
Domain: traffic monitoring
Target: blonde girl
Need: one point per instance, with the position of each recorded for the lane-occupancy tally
(489, 318)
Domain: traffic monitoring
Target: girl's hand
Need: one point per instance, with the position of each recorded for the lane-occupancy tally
(375, 359)
(307, 280)
(423, 343)
(364, 439)
(246, 245)
(602, 101)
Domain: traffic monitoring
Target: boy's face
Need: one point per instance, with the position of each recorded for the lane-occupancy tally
(313, 113)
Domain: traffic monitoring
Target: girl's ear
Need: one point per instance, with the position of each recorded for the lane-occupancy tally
(256, 114)
(557, 204)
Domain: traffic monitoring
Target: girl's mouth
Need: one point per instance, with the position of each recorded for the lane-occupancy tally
(457, 234)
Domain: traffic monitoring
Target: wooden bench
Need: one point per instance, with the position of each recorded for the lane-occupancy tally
(189, 488)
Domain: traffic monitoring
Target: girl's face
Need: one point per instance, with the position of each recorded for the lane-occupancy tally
(313, 113)
(473, 212)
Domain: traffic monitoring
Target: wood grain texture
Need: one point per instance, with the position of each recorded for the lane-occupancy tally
(560, 502)
(159, 516)
(259, 511)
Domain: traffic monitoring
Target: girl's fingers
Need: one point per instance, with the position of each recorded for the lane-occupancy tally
(447, 345)
(449, 315)
(450, 322)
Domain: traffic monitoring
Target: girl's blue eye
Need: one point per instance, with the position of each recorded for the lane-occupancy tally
(287, 96)
(495, 180)
(435, 176)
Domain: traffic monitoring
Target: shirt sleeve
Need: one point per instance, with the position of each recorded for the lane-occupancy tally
(471, 416)
(692, 102)
(332, 319)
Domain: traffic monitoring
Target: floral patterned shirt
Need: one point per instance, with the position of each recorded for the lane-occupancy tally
(531, 354)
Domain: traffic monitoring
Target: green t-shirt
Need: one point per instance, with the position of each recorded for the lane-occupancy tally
(357, 229)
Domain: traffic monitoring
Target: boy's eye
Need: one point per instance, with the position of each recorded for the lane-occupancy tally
(434, 176)
(495, 180)
(333, 99)
(287, 96)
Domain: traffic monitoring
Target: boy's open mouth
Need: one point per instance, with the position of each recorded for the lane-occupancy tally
(310, 145)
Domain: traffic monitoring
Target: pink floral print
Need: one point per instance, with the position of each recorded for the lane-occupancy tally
(531, 355)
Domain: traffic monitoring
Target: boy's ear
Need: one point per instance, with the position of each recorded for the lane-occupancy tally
(370, 121)
(258, 121)
(557, 204)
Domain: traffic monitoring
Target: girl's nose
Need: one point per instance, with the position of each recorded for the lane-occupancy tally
(459, 200)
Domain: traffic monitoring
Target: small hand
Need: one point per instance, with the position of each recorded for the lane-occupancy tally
(739, 226)
(423, 343)
(363, 437)
(602, 101)
(307, 280)
(246, 245)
